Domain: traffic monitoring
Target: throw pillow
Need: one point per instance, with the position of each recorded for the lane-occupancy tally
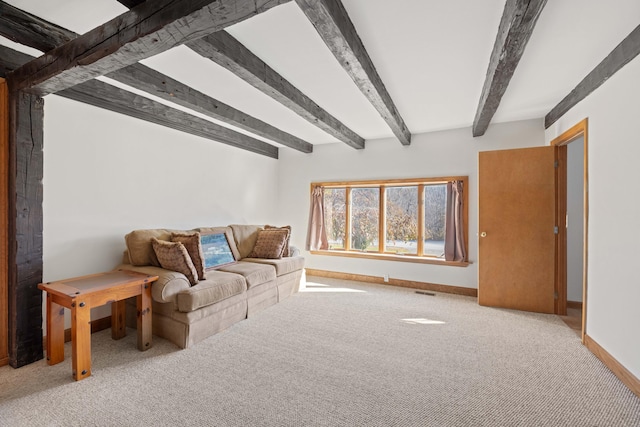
(174, 256)
(285, 251)
(192, 244)
(270, 244)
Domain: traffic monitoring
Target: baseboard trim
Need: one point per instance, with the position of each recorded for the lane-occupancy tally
(424, 286)
(610, 362)
(574, 304)
(4, 361)
(96, 326)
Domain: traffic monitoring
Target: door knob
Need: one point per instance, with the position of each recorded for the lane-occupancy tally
(483, 234)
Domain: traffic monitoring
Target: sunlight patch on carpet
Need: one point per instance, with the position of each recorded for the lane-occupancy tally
(317, 287)
(423, 322)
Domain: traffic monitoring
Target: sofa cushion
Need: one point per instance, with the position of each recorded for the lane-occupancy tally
(191, 242)
(270, 243)
(285, 250)
(255, 274)
(282, 265)
(245, 237)
(139, 245)
(228, 232)
(174, 256)
(218, 286)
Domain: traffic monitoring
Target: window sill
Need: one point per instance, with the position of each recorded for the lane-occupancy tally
(392, 257)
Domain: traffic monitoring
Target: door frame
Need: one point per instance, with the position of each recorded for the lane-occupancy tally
(580, 129)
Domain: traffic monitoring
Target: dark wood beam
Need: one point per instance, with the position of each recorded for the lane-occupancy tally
(226, 51)
(103, 95)
(149, 29)
(131, 3)
(332, 22)
(139, 77)
(26, 159)
(30, 30)
(622, 54)
(11, 59)
(158, 84)
(516, 26)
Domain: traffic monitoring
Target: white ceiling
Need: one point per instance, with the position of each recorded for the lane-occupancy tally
(432, 56)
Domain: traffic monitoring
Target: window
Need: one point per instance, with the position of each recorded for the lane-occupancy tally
(397, 219)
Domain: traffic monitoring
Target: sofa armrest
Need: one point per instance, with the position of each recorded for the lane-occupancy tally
(294, 251)
(168, 285)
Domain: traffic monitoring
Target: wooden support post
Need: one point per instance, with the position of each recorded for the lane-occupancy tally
(118, 326)
(25, 228)
(81, 337)
(55, 332)
(4, 207)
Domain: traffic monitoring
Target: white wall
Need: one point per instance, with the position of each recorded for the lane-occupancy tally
(447, 153)
(614, 208)
(575, 214)
(106, 174)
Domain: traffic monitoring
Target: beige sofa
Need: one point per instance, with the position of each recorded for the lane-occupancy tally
(185, 314)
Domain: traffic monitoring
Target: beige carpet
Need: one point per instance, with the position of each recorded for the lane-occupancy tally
(338, 354)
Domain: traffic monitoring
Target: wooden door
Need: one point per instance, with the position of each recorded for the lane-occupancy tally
(4, 227)
(517, 242)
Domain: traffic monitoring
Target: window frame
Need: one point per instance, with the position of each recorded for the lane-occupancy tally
(382, 185)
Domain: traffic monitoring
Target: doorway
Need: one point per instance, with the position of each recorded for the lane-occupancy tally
(572, 203)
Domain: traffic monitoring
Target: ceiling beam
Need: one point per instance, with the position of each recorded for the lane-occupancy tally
(111, 98)
(516, 26)
(151, 28)
(11, 59)
(621, 55)
(32, 31)
(332, 22)
(226, 51)
(103, 95)
(131, 3)
(160, 85)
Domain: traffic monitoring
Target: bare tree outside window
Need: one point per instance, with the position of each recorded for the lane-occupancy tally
(402, 220)
(365, 207)
(334, 214)
(435, 197)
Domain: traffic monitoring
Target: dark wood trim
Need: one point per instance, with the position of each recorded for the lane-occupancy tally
(331, 20)
(30, 30)
(516, 26)
(622, 54)
(574, 304)
(103, 95)
(229, 53)
(25, 227)
(4, 226)
(623, 374)
(149, 80)
(152, 28)
(425, 286)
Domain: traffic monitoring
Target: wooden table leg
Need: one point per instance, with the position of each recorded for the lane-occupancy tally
(118, 326)
(55, 331)
(144, 318)
(81, 339)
